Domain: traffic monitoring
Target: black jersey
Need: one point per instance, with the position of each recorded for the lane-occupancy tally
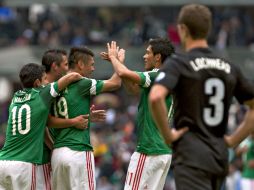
(203, 85)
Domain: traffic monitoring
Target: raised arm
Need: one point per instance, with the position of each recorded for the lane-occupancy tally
(130, 78)
(69, 78)
(159, 112)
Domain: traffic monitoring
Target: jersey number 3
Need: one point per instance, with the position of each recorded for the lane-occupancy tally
(215, 89)
(16, 119)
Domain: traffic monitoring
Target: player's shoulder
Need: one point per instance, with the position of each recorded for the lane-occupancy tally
(84, 82)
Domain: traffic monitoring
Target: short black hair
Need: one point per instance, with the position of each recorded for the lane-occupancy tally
(162, 46)
(29, 73)
(78, 53)
(51, 56)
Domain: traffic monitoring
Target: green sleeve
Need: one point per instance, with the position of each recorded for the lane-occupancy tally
(49, 92)
(147, 78)
(90, 86)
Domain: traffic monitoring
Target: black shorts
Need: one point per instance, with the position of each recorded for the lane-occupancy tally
(189, 178)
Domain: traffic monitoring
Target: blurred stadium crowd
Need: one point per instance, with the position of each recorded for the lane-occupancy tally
(114, 140)
(57, 26)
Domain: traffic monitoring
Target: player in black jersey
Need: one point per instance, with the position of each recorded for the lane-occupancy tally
(203, 85)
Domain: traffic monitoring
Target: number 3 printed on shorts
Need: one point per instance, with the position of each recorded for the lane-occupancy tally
(216, 100)
(16, 119)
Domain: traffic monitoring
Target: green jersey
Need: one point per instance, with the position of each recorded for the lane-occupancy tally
(247, 156)
(75, 101)
(150, 141)
(28, 115)
(46, 154)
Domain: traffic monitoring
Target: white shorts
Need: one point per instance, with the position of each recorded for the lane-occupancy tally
(247, 184)
(17, 175)
(43, 177)
(72, 170)
(147, 171)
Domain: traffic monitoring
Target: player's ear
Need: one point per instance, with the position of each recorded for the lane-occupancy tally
(80, 64)
(53, 66)
(37, 83)
(158, 57)
(183, 30)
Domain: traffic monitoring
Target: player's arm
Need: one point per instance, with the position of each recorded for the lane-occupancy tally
(131, 87)
(69, 78)
(245, 128)
(112, 84)
(159, 112)
(80, 122)
(130, 78)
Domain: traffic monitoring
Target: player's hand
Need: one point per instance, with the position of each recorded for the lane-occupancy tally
(97, 115)
(81, 122)
(176, 134)
(229, 141)
(104, 56)
(112, 49)
(73, 76)
(121, 55)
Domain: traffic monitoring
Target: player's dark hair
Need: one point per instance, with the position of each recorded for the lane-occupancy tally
(29, 73)
(162, 46)
(51, 56)
(197, 18)
(79, 53)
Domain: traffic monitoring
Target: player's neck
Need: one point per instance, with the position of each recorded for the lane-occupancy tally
(191, 44)
(51, 77)
(157, 65)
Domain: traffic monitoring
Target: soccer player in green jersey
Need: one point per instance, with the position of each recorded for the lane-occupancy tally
(55, 62)
(150, 162)
(72, 159)
(28, 114)
(246, 149)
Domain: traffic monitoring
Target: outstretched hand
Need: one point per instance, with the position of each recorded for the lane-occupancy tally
(112, 49)
(104, 56)
(121, 55)
(97, 115)
(81, 121)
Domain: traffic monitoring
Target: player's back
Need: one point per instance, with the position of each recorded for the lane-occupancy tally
(28, 114)
(204, 92)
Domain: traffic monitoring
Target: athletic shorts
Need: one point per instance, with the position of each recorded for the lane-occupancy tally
(147, 171)
(187, 178)
(43, 177)
(17, 175)
(72, 170)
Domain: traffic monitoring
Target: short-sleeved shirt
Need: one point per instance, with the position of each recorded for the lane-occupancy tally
(149, 139)
(28, 114)
(203, 85)
(75, 101)
(248, 172)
